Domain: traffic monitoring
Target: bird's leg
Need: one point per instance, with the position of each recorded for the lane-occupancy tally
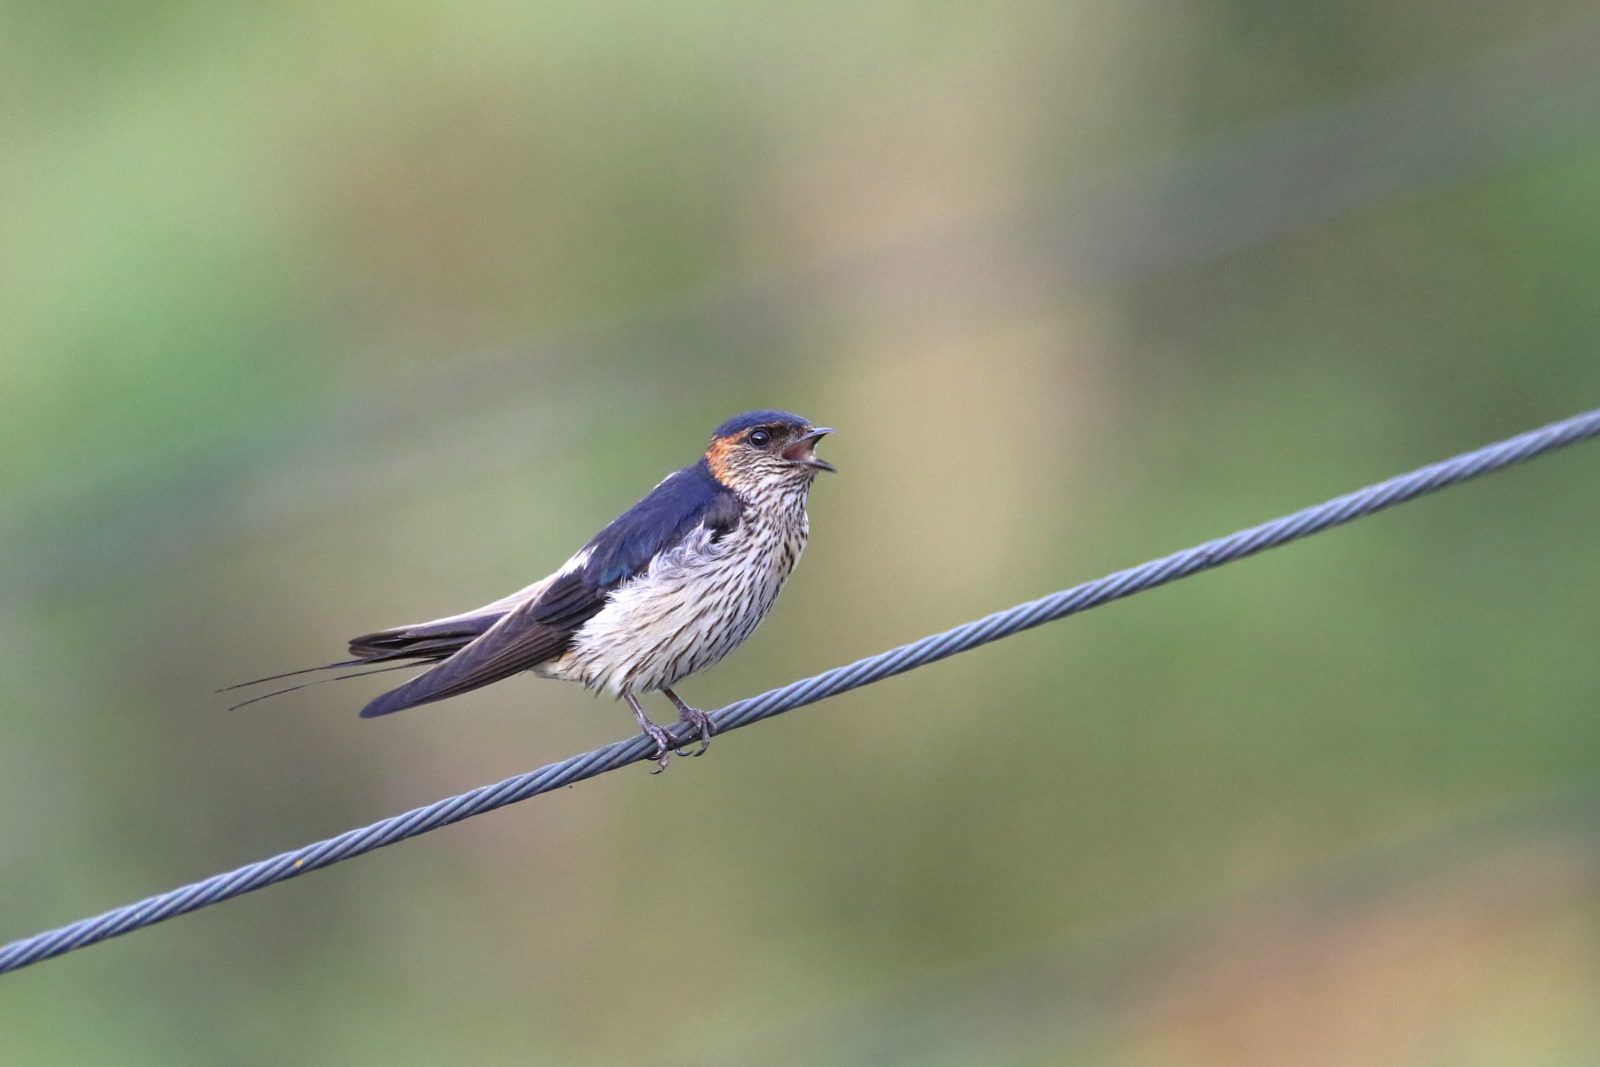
(657, 734)
(696, 718)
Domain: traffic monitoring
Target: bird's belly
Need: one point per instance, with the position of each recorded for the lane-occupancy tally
(679, 617)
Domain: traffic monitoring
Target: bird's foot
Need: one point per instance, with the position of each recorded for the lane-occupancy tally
(663, 740)
(703, 726)
(664, 749)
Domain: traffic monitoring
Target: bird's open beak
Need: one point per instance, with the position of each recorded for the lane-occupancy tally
(803, 451)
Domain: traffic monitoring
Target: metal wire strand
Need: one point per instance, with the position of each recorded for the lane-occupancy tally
(619, 754)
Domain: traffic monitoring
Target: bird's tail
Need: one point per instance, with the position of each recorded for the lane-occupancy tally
(417, 645)
(319, 681)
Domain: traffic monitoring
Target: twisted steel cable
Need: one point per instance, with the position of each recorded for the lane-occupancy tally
(619, 754)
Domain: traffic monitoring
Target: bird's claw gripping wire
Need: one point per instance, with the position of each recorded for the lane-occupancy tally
(700, 720)
(664, 750)
(664, 746)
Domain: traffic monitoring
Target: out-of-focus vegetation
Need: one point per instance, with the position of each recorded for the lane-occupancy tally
(320, 317)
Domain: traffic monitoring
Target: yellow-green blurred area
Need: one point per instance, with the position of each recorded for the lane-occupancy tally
(322, 317)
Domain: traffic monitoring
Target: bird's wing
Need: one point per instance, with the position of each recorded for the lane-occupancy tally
(542, 627)
(439, 638)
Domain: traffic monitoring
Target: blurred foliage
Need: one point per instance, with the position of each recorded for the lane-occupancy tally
(321, 317)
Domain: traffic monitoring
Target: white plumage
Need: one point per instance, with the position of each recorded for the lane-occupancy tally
(695, 603)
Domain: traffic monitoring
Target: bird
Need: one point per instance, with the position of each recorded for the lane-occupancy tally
(667, 589)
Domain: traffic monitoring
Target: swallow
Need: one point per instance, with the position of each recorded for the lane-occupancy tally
(670, 587)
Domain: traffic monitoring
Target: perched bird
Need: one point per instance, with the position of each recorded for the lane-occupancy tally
(670, 587)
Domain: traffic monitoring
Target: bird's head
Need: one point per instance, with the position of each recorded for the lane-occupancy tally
(765, 448)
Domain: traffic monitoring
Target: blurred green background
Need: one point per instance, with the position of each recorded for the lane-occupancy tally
(319, 317)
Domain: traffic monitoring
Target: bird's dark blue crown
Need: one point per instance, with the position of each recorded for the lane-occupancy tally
(751, 419)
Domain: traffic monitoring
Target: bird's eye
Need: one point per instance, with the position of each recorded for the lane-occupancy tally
(760, 438)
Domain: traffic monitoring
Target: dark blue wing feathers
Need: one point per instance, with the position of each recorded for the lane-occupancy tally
(543, 629)
(659, 521)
